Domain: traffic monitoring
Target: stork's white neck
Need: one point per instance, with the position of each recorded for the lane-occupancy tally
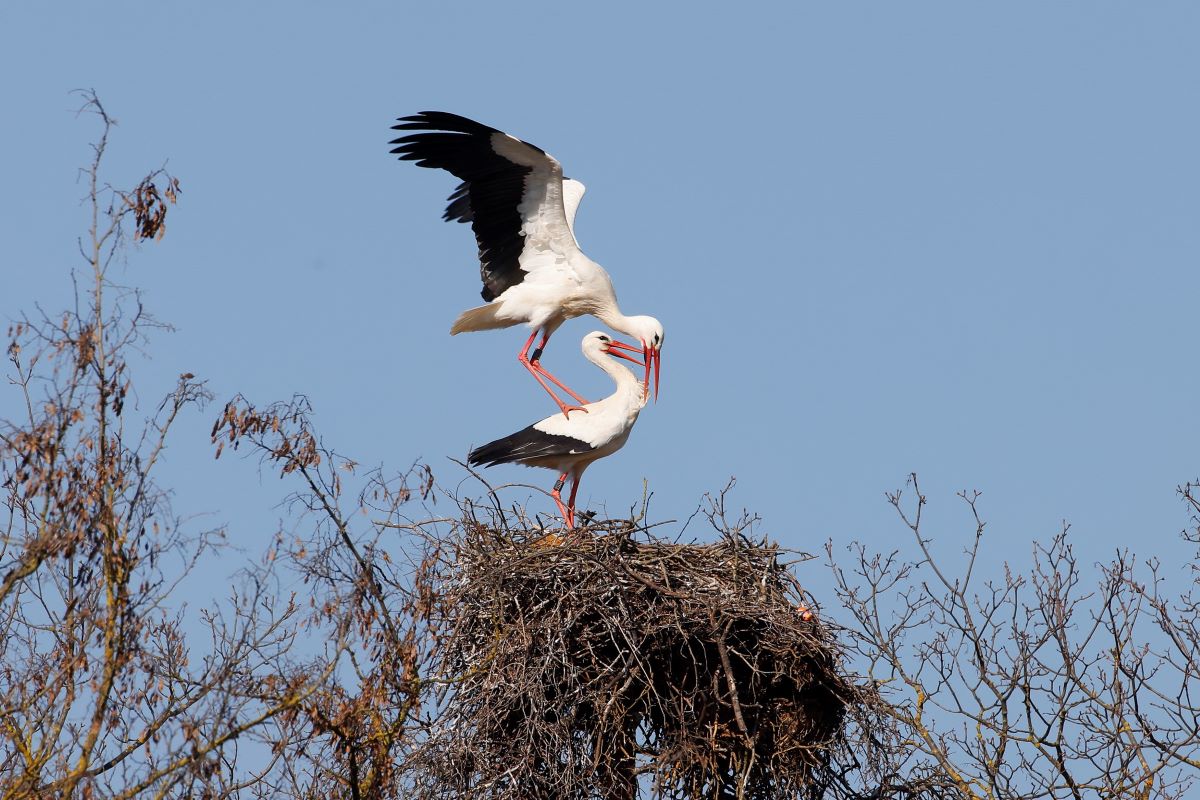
(641, 329)
(628, 384)
(611, 316)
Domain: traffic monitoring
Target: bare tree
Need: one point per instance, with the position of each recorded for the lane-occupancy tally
(108, 685)
(372, 573)
(104, 690)
(1053, 682)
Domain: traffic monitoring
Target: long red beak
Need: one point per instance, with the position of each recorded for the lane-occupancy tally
(622, 346)
(652, 355)
(650, 360)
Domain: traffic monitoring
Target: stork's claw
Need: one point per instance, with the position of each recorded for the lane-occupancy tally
(568, 409)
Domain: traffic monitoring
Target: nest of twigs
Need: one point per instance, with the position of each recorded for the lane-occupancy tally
(614, 663)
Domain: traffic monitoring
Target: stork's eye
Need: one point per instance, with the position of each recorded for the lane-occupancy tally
(656, 338)
(604, 338)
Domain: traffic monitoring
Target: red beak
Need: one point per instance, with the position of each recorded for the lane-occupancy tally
(652, 355)
(622, 346)
(650, 360)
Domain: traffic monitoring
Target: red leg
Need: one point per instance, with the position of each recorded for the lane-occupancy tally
(536, 361)
(537, 371)
(537, 354)
(571, 502)
(537, 365)
(568, 514)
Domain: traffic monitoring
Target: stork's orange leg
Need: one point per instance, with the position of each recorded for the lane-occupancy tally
(571, 501)
(568, 512)
(534, 365)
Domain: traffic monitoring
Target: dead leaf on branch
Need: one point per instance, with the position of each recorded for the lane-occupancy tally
(149, 207)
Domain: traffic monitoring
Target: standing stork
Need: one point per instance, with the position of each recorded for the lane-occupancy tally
(523, 213)
(568, 446)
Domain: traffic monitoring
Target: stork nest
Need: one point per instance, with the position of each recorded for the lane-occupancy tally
(606, 664)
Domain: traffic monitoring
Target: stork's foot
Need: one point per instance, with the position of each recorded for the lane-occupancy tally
(566, 409)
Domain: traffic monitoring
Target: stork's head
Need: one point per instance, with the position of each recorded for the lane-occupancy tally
(599, 342)
(649, 332)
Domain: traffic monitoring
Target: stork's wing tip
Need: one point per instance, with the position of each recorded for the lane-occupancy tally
(403, 149)
(441, 121)
(420, 120)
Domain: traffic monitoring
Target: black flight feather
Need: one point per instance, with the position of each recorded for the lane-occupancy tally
(490, 192)
(524, 445)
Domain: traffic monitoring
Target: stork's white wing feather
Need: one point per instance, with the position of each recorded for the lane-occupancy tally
(573, 192)
(543, 212)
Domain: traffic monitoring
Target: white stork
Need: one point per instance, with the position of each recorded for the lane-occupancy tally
(568, 446)
(523, 213)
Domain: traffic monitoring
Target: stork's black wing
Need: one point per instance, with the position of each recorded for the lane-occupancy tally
(526, 444)
(511, 191)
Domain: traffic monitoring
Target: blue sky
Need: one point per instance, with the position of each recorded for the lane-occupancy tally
(956, 239)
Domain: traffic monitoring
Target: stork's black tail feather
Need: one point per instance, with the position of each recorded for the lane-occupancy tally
(526, 444)
(493, 453)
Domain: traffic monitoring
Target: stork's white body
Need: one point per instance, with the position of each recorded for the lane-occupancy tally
(604, 425)
(560, 283)
(570, 444)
